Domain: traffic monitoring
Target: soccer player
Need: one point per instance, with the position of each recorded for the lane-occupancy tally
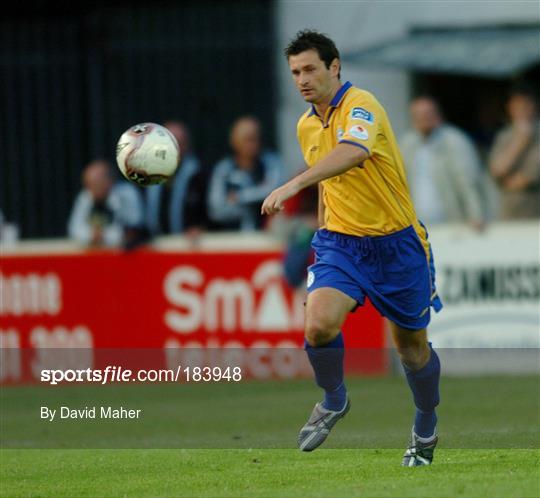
(369, 244)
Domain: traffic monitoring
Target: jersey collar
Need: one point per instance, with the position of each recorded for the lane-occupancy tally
(338, 97)
(336, 100)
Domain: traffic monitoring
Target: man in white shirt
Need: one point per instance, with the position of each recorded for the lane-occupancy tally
(443, 168)
(103, 210)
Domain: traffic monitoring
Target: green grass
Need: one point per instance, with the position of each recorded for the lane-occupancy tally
(266, 473)
(238, 441)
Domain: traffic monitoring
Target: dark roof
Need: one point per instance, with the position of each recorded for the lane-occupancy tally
(497, 51)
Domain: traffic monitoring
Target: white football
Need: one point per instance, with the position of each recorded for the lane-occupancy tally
(147, 154)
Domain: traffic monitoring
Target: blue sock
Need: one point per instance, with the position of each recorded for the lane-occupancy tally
(327, 363)
(424, 384)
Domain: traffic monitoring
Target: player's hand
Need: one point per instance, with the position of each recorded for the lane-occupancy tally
(274, 202)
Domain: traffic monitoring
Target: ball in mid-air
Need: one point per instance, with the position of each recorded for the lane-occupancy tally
(147, 154)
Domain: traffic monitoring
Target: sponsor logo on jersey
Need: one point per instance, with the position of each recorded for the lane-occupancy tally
(361, 113)
(359, 132)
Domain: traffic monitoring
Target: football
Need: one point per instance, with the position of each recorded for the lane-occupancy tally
(147, 154)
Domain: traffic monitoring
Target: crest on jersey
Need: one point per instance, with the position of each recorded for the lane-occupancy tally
(359, 132)
(363, 114)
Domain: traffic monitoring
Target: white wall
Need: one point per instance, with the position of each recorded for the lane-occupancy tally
(356, 24)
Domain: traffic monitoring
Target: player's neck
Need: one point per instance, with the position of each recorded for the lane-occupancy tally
(322, 107)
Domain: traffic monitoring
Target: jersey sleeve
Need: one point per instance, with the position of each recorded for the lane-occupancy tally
(360, 124)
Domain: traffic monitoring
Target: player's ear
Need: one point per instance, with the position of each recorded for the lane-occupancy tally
(335, 67)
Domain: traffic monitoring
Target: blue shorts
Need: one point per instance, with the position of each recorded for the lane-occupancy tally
(393, 271)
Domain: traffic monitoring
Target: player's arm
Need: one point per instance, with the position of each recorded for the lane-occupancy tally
(320, 208)
(340, 160)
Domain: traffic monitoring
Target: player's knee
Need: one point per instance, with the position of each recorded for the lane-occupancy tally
(414, 356)
(320, 332)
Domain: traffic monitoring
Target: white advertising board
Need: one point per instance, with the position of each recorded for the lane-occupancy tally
(490, 285)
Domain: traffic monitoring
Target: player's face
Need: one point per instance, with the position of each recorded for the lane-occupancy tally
(314, 80)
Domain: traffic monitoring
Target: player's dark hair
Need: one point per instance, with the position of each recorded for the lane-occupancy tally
(313, 40)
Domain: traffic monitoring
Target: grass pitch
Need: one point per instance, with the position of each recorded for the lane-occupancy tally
(489, 442)
(266, 473)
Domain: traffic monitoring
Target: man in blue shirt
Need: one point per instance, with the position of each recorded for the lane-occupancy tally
(242, 180)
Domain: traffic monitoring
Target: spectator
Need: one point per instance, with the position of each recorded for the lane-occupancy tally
(443, 168)
(103, 211)
(179, 206)
(9, 232)
(515, 158)
(240, 182)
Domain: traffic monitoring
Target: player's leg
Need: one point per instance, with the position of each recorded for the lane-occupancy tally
(326, 310)
(401, 285)
(422, 368)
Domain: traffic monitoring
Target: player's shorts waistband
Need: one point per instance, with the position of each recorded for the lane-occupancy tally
(366, 240)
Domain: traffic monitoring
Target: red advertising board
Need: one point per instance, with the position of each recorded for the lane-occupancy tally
(156, 300)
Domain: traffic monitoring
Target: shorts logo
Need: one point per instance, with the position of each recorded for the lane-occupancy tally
(361, 113)
(359, 132)
(339, 134)
(310, 279)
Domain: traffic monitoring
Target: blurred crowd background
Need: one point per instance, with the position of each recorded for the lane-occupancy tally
(459, 84)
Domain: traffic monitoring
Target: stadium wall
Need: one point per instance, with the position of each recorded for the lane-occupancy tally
(63, 307)
(229, 293)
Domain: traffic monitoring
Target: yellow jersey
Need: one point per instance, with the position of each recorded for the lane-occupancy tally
(370, 199)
